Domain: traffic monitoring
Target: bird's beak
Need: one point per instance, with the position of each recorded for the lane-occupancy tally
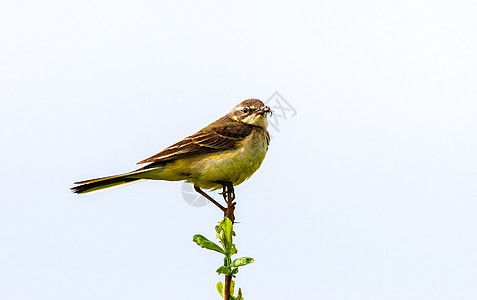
(263, 110)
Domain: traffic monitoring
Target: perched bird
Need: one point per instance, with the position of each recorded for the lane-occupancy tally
(220, 155)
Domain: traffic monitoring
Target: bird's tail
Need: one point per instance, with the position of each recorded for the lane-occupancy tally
(104, 183)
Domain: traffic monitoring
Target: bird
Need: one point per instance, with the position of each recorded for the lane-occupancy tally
(221, 155)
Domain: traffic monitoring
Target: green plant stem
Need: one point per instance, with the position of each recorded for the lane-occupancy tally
(229, 213)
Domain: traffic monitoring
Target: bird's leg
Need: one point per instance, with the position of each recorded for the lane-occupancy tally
(224, 192)
(229, 196)
(227, 190)
(198, 190)
(230, 211)
(231, 191)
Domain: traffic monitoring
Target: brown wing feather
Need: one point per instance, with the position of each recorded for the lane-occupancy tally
(221, 135)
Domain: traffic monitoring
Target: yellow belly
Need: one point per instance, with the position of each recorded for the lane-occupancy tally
(232, 165)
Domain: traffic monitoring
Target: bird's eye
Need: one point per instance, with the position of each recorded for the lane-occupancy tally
(245, 110)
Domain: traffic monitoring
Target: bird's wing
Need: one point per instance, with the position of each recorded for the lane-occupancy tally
(213, 138)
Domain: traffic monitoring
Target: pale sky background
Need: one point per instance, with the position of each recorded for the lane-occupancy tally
(368, 192)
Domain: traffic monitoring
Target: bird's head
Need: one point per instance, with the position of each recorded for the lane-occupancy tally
(252, 112)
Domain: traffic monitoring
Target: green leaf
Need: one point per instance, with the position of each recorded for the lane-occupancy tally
(224, 270)
(220, 288)
(242, 261)
(205, 243)
(220, 232)
(226, 226)
(233, 250)
(239, 295)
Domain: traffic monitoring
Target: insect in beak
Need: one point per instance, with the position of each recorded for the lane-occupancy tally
(264, 110)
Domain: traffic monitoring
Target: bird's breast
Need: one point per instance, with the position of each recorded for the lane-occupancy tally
(232, 165)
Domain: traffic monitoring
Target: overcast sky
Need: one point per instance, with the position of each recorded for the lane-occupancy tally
(368, 190)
